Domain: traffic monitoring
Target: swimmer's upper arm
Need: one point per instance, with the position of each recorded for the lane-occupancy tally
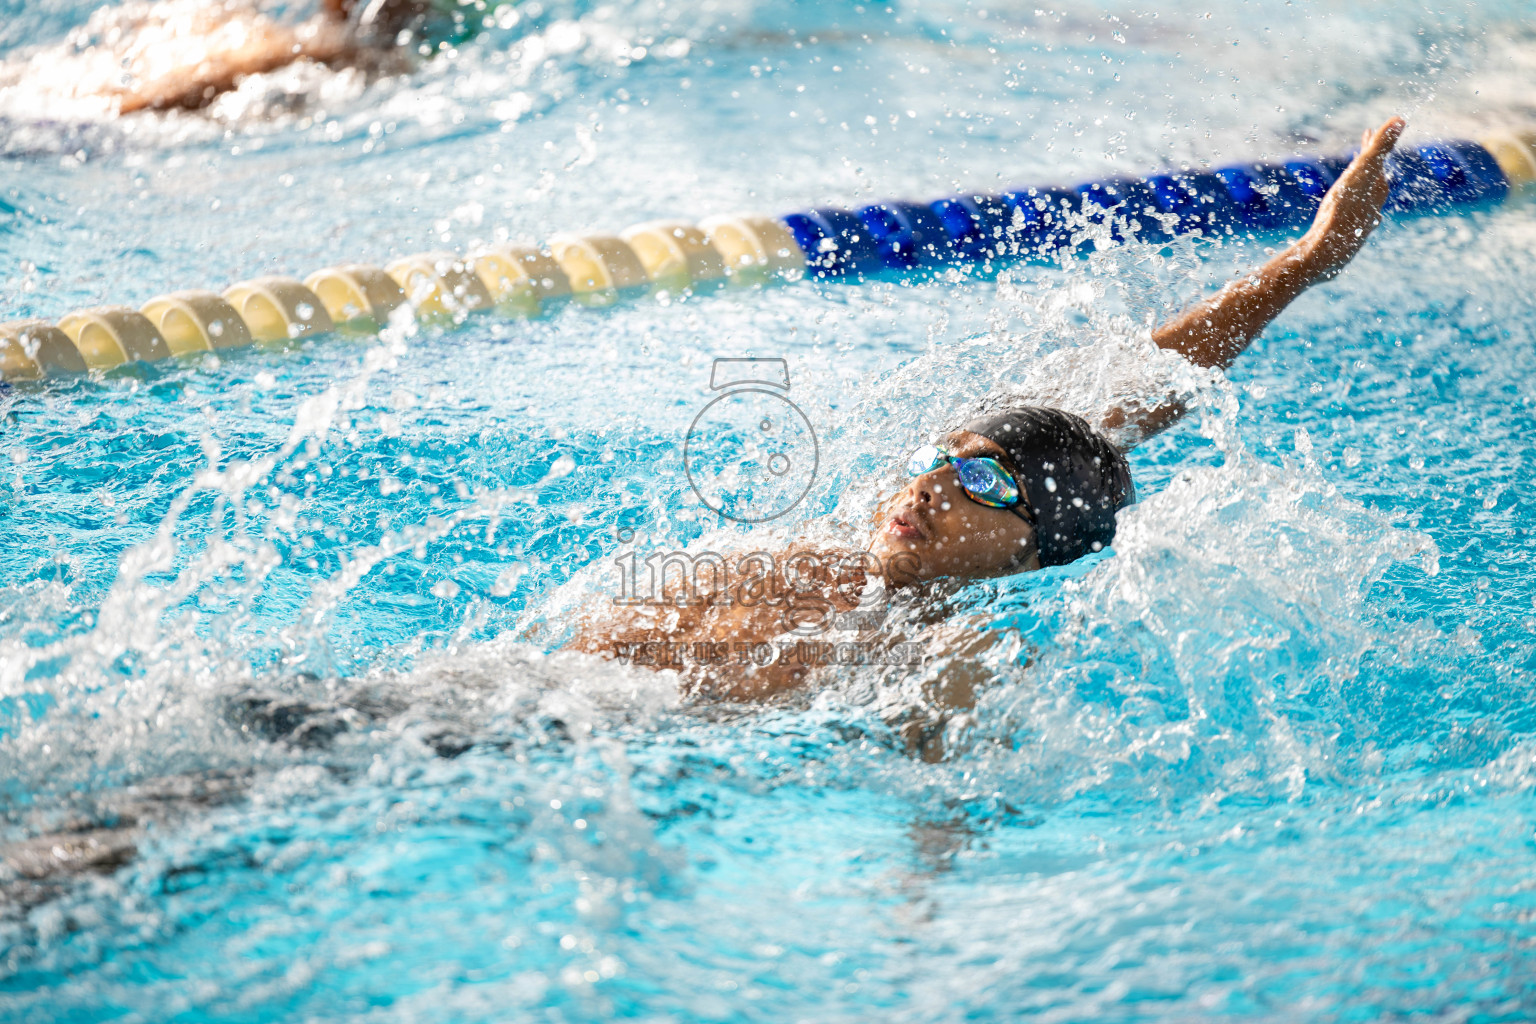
(232, 43)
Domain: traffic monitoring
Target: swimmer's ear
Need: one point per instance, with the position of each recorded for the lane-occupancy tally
(1028, 551)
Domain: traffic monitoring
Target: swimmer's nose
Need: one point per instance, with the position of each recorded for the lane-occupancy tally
(923, 487)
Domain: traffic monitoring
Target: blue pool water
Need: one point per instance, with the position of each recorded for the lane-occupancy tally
(1272, 758)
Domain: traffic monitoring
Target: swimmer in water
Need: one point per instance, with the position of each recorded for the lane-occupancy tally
(184, 54)
(1009, 491)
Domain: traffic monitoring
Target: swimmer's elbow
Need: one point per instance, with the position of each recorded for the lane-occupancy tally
(1128, 427)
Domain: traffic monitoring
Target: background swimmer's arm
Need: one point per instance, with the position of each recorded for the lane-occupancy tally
(242, 43)
(187, 63)
(1216, 331)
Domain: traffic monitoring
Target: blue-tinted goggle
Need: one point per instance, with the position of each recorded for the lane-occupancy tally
(985, 481)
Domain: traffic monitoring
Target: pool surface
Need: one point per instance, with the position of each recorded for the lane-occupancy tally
(279, 628)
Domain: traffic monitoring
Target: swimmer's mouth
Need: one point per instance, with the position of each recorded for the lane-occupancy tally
(905, 525)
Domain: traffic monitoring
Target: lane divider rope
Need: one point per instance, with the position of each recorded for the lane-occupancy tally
(825, 243)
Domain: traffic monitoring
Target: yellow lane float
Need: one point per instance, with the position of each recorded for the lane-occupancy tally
(676, 255)
(356, 295)
(601, 268)
(521, 279)
(109, 336)
(278, 308)
(196, 321)
(440, 285)
(34, 349)
(755, 249)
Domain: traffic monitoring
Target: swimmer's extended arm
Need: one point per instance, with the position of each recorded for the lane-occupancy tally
(187, 63)
(1216, 331)
(238, 43)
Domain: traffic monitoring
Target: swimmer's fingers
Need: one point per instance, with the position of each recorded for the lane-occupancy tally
(1375, 147)
(1390, 131)
(1380, 143)
(1364, 181)
(1384, 136)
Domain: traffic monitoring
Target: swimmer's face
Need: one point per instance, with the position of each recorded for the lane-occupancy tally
(931, 529)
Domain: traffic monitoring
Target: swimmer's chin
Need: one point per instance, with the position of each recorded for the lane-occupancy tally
(889, 539)
(903, 561)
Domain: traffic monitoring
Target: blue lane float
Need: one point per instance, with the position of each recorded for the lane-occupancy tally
(1045, 223)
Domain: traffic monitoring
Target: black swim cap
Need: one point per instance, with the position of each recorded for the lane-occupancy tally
(1073, 479)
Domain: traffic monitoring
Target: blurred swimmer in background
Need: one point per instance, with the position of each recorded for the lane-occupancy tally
(184, 54)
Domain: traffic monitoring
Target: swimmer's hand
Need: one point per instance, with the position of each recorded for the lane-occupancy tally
(1352, 207)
